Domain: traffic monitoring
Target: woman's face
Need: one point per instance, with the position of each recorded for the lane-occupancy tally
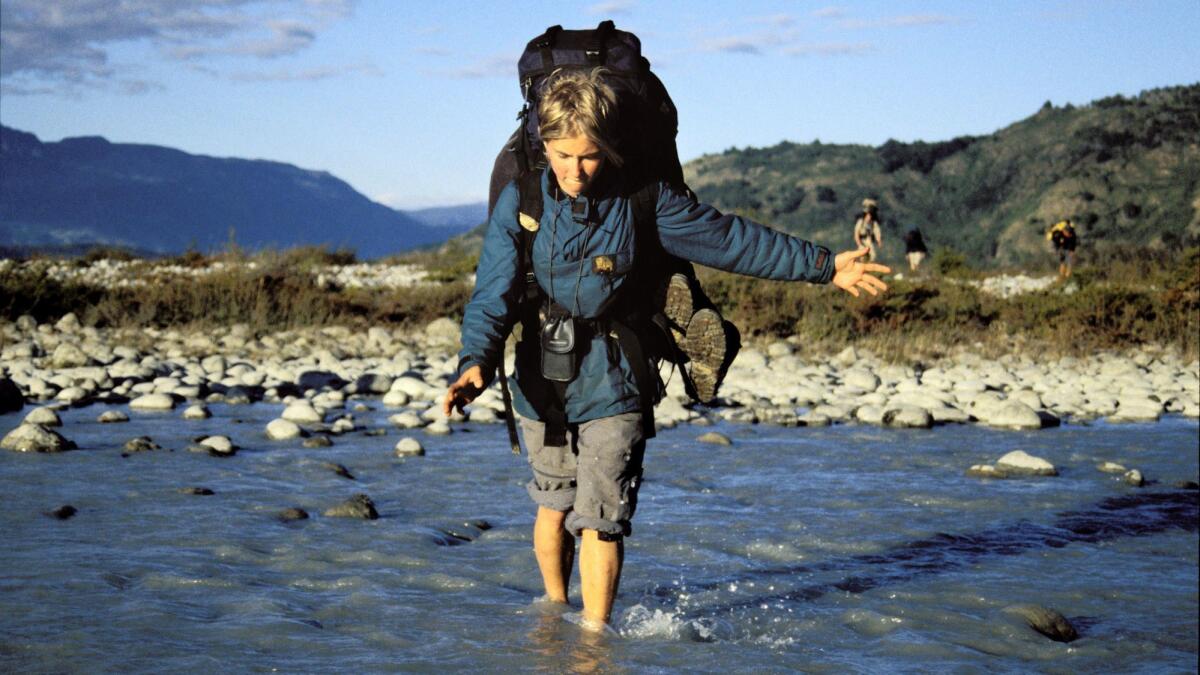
(576, 162)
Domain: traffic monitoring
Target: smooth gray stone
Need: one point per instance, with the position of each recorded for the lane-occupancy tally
(714, 438)
(908, 417)
(1046, 621)
(1019, 462)
(409, 447)
(43, 416)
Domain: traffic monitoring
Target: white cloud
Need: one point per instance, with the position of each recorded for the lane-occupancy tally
(733, 45)
(830, 49)
(611, 8)
(494, 66)
(829, 13)
(900, 21)
(64, 47)
(306, 74)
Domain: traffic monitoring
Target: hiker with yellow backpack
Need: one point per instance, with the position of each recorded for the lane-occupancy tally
(1062, 235)
(588, 254)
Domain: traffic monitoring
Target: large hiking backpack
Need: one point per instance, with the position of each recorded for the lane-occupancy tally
(648, 121)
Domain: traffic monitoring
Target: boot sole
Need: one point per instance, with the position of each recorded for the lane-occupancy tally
(705, 346)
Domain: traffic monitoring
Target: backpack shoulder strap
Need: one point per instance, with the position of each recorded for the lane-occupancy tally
(529, 216)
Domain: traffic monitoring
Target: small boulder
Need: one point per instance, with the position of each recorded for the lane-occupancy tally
(908, 417)
(141, 444)
(439, 428)
(219, 445)
(409, 447)
(396, 399)
(196, 412)
(302, 412)
(358, 506)
(43, 416)
(1013, 415)
(339, 470)
(112, 417)
(985, 471)
(1111, 467)
(714, 438)
(63, 512)
(1019, 462)
(1046, 621)
(406, 420)
(288, 515)
(201, 491)
(35, 438)
(153, 402)
(1134, 477)
(282, 429)
(319, 441)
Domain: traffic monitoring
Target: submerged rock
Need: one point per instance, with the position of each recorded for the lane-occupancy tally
(202, 491)
(1019, 462)
(1046, 621)
(293, 514)
(153, 402)
(317, 442)
(339, 470)
(196, 412)
(985, 471)
(35, 438)
(281, 429)
(63, 512)
(219, 445)
(1134, 477)
(714, 438)
(358, 506)
(1111, 467)
(141, 444)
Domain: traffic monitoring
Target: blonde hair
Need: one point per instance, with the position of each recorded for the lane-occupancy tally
(579, 102)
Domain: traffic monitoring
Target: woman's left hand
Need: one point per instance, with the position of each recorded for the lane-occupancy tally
(851, 273)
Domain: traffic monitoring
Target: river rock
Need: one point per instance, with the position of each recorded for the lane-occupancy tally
(908, 417)
(483, 415)
(112, 416)
(219, 445)
(443, 332)
(153, 402)
(200, 491)
(318, 441)
(281, 429)
(303, 412)
(373, 383)
(406, 420)
(985, 471)
(69, 323)
(396, 399)
(409, 447)
(1134, 477)
(35, 438)
(67, 355)
(860, 378)
(43, 416)
(869, 414)
(339, 470)
(1012, 415)
(439, 428)
(141, 444)
(72, 395)
(358, 506)
(1046, 621)
(813, 418)
(319, 379)
(1111, 467)
(63, 512)
(1019, 462)
(196, 412)
(714, 438)
(1136, 409)
(11, 399)
(288, 515)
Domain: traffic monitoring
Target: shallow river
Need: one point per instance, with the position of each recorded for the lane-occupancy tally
(846, 548)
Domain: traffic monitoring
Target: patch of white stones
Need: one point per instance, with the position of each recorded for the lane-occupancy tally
(316, 374)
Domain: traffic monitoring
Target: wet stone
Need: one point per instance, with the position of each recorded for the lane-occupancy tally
(714, 438)
(317, 442)
(293, 514)
(141, 444)
(1134, 477)
(358, 506)
(112, 417)
(409, 447)
(63, 512)
(35, 438)
(43, 416)
(375, 432)
(339, 470)
(202, 491)
(1046, 621)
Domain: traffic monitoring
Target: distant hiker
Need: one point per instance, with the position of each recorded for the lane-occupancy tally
(866, 230)
(914, 248)
(1062, 235)
(584, 385)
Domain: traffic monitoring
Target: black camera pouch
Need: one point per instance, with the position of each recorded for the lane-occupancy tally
(559, 360)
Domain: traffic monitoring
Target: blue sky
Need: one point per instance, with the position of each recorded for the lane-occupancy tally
(410, 101)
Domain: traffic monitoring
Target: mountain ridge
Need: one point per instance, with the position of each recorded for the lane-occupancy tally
(86, 189)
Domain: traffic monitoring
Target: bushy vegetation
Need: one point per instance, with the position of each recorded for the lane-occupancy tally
(1127, 300)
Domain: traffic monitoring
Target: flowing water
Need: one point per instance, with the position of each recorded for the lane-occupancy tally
(835, 549)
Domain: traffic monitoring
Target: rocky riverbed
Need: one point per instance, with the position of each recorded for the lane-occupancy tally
(324, 374)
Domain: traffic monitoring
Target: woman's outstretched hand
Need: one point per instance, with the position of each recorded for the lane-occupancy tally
(462, 392)
(851, 273)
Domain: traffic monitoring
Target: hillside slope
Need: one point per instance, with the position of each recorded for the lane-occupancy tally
(1127, 170)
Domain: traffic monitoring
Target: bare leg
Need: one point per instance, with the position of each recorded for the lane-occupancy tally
(600, 571)
(555, 551)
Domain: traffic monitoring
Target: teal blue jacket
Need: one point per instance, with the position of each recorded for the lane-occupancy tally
(565, 250)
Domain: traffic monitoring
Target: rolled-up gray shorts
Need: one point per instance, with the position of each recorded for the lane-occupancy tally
(595, 477)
